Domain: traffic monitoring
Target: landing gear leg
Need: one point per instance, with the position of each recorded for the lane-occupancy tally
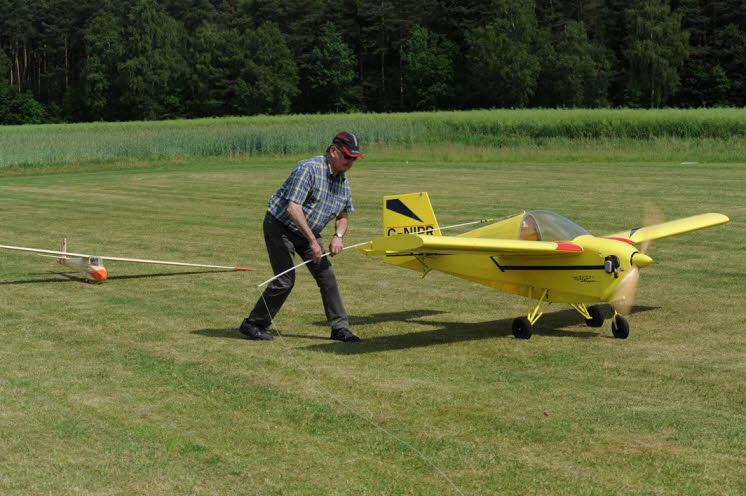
(594, 316)
(523, 327)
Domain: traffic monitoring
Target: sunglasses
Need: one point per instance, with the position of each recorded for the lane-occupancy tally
(347, 157)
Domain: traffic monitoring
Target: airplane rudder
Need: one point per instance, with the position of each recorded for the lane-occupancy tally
(410, 213)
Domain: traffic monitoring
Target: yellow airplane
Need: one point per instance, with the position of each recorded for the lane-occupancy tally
(538, 254)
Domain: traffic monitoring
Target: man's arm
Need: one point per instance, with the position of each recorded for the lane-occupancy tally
(340, 226)
(296, 214)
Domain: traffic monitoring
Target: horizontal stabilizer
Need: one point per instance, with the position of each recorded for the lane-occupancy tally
(447, 245)
(672, 228)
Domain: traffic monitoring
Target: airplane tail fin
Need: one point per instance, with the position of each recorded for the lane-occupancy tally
(409, 214)
(63, 247)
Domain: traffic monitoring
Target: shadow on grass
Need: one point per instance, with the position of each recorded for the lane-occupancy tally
(448, 332)
(453, 332)
(354, 321)
(378, 318)
(72, 278)
(230, 333)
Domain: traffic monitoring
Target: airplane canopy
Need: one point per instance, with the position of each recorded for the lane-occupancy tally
(543, 225)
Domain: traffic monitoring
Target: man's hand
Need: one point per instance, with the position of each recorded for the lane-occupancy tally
(340, 226)
(296, 214)
(317, 251)
(336, 245)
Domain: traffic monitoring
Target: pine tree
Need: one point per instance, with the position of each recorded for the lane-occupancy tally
(103, 39)
(730, 46)
(505, 56)
(696, 71)
(213, 53)
(384, 30)
(578, 75)
(151, 72)
(656, 47)
(428, 70)
(267, 80)
(330, 73)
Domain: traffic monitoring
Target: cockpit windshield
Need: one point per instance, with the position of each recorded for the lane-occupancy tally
(543, 225)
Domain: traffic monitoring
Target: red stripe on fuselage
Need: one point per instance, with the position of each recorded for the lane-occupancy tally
(568, 247)
(623, 240)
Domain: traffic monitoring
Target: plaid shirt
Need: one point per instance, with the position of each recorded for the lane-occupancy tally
(312, 186)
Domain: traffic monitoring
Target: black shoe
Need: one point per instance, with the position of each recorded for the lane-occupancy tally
(254, 332)
(344, 334)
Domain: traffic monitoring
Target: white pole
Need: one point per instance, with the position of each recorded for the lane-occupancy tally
(366, 242)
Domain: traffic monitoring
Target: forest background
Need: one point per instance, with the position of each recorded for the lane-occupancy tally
(116, 60)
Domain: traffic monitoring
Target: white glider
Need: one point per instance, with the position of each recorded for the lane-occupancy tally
(92, 266)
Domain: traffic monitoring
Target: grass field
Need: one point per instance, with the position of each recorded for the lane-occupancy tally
(716, 135)
(142, 385)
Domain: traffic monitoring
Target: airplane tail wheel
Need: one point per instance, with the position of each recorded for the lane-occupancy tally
(597, 317)
(522, 328)
(620, 327)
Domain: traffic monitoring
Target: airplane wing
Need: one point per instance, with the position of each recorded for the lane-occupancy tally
(448, 245)
(46, 252)
(672, 228)
(68, 254)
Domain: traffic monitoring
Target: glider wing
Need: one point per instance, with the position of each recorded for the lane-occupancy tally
(672, 228)
(67, 254)
(404, 244)
(45, 252)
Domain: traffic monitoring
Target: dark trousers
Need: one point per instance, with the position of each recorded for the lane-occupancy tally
(282, 244)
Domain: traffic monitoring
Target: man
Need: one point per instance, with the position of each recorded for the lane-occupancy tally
(316, 192)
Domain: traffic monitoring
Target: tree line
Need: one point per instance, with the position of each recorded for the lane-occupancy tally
(87, 60)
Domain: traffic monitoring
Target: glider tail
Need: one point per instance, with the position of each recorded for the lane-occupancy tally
(63, 247)
(409, 214)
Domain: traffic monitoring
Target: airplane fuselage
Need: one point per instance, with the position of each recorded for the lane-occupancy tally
(588, 277)
(92, 268)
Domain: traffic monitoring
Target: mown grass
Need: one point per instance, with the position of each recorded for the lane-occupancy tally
(143, 385)
(518, 131)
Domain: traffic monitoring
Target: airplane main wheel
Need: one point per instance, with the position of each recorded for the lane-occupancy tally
(597, 317)
(620, 327)
(522, 328)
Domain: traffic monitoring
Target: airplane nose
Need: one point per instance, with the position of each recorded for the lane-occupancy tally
(641, 260)
(97, 274)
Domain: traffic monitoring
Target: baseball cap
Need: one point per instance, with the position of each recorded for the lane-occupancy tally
(348, 143)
